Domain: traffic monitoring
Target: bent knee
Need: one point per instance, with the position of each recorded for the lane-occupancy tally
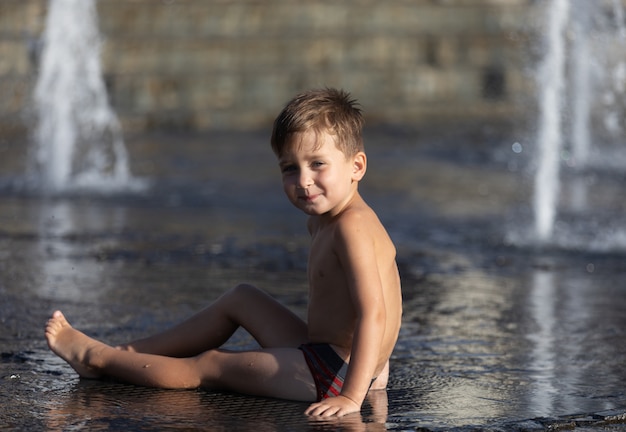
(243, 291)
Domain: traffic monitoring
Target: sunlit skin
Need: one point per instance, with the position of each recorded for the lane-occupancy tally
(359, 318)
(355, 304)
(317, 177)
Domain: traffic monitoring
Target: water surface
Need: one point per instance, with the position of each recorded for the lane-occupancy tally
(495, 333)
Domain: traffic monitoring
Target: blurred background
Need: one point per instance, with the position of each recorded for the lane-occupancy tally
(190, 64)
(535, 85)
(137, 183)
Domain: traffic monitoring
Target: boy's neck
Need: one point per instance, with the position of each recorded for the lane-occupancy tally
(331, 216)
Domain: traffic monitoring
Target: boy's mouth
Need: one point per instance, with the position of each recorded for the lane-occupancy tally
(308, 198)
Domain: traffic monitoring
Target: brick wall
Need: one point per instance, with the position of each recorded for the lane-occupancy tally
(203, 64)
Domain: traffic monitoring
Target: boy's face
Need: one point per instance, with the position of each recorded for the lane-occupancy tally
(318, 178)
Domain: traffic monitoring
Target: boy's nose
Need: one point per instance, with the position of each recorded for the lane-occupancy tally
(304, 179)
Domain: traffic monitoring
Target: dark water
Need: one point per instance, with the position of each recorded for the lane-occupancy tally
(495, 334)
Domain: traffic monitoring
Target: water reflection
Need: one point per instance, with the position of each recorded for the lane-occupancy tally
(491, 333)
(67, 233)
(542, 364)
(509, 342)
(572, 312)
(102, 406)
(456, 360)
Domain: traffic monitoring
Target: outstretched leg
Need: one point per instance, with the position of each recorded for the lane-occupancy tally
(72, 346)
(268, 321)
(275, 372)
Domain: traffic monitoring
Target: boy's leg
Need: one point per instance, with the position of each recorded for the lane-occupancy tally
(274, 372)
(268, 321)
(382, 379)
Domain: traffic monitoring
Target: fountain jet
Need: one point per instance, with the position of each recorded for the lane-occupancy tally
(78, 138)
(552, 79)
(577, 65)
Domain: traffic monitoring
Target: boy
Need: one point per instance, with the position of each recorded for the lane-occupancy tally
(355, 302)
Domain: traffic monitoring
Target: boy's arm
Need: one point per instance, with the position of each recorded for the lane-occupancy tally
(357, 253)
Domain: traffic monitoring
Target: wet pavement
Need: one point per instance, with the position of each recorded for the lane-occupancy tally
(498, 334)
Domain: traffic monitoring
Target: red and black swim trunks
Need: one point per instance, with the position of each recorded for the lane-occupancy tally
(328, 369)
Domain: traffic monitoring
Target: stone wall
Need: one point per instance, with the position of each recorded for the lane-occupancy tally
(202, 64)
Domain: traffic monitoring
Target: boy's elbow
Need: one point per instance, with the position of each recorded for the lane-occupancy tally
(378, 316)
(381, 309)
(374, 315)
(382, 318)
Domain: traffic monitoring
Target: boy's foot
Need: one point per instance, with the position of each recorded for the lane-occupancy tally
(71, 345)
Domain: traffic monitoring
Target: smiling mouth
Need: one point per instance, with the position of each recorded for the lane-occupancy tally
(307, 198)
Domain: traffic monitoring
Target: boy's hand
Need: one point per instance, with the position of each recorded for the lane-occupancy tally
(334, 406)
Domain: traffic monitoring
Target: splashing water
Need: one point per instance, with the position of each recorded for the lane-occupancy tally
(581, 85)
(79, 144)
(552, 78)
(583, 58)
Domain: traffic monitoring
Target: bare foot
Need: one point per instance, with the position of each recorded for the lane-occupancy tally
(72, 345)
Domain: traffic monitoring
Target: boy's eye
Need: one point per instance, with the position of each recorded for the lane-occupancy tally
(287, 169)
(317, 164)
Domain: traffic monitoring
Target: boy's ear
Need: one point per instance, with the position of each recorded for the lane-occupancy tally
(359, 166)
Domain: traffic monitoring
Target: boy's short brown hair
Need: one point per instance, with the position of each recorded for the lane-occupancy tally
(325, 110)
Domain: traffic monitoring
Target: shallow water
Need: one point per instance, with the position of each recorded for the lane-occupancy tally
(495, 333)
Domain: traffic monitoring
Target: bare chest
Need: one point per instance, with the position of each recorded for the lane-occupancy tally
(324, 267)
(328, 288)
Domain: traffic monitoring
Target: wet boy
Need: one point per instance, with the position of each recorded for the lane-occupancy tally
(355, 304)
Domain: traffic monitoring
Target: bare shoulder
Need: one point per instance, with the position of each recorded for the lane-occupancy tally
(359, 226)
(362, 219)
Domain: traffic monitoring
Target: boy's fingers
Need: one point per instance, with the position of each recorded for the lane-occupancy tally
(332, 407)
(316, 409)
